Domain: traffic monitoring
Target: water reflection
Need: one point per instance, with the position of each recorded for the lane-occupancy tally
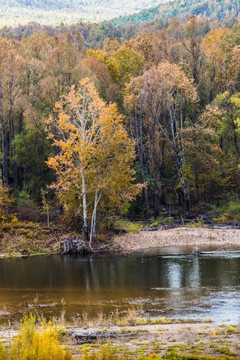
(174, 275)
(195, 274)
(169, 283)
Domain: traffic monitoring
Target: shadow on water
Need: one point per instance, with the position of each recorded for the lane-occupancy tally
(171, 283)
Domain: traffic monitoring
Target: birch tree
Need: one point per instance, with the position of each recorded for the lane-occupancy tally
(94, 158)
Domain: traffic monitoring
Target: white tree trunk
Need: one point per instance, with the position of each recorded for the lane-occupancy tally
(94, 217)
(84, 194)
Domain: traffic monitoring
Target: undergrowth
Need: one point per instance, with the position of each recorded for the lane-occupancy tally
(228, 212)
(34, 343)
(18, 238)
(124, 225)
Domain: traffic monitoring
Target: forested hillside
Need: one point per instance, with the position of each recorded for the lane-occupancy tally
(182, 8)
(52, 12)
(117, 138)
(14, 12)
(64, 4)
(138, 127)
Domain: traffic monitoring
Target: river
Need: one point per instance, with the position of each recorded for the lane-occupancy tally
(167, 282)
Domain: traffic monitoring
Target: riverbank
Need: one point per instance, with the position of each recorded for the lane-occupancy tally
(129, 338)
(26, 238)
(201, 237)
(18, 239)
(168, 341)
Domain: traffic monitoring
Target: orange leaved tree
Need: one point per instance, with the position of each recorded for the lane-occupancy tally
(94, 155)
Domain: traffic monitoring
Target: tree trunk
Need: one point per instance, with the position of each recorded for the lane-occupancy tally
(85, 223)
(178, 158)
(4, 150)
(4, 140)
(156, 196)
(48, 218)
(211, 96)
(94, 217)
(186, 194)
(139, 140)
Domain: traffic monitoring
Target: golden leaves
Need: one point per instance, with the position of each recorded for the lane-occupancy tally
(89, 134)
(213, 44)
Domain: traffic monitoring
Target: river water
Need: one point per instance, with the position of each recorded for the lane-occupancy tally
(168, 282)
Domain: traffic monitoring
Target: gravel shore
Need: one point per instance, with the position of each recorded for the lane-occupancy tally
(181, 236)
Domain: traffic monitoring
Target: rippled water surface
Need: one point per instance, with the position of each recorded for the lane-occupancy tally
(170, 282)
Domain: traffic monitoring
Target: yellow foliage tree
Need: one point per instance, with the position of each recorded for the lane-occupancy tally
(214, 45)
(94, 158)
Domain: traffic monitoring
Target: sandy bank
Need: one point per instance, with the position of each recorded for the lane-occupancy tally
(182, 236)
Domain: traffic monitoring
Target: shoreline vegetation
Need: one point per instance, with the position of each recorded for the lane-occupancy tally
(24, 238)
(121, 336)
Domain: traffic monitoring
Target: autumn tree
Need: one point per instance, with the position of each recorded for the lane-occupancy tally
(215, 48)
(191, 41)
(52, 65)
(229, 137)
(203, 170)
(235, 68)
(159, 100)
(121, 65)
(108, 91)
(94, 158)
(12, 78)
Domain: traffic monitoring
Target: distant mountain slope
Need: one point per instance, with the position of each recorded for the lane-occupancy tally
(209, 8)
(119, 12)
(13, 12)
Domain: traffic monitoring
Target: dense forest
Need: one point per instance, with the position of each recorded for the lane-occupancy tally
(136, 124)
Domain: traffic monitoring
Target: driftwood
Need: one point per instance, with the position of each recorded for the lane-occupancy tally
(73, 246)
(83, 338)
(89, 337)
(153, 228)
